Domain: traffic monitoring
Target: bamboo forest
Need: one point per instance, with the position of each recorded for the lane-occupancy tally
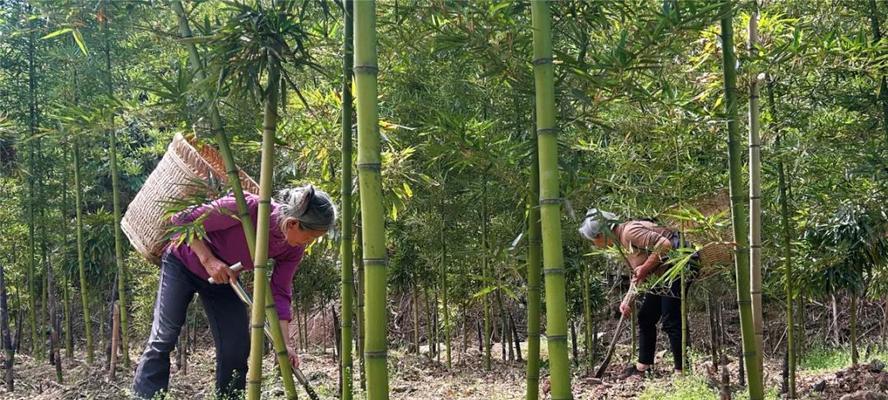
(444, 199)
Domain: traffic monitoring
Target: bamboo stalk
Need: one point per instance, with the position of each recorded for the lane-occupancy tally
(485, 301)
(84, 288)
(587, 315)
(445, 306)
(263, 226)
(9, 359)
(66, 306)
(739, 208)
(115, 197)
(54, 357)
(359, 304)
(883, 83)
(32, 130)
(372, 215)
(115, 336)
(786, 242)
(853, 333)
(550, 203)
(533, 280)
(217, 126)
(345, 249)
(755, 192)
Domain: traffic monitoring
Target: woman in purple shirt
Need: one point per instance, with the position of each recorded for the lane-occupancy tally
(300, 216)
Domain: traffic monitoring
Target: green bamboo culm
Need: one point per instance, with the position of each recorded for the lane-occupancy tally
(853, 333)
(372, 214)
(739, 210)
(445, 305)
(360, 327)
(81, 263)
(755, 190)
(66, 306)
(115, 193)
(786, 242)
(485, 255)
(345, 246)
(533, 281)
(36, 346)
(586, 277)
(550, 203)
(263, 227)
(883, 83)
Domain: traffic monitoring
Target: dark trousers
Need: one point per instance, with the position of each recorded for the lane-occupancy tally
(228, 321)
(660, 308)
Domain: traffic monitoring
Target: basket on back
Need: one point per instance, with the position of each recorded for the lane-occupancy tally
(715, 257)
(184, 163)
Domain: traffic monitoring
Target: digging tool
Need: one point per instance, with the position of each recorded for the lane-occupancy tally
(619, 331)
(245, 297)
(610, 350)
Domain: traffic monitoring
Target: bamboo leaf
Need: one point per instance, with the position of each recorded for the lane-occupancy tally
(57, 33)
(78, 37)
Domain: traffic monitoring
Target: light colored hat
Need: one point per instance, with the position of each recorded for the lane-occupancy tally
(595, 221)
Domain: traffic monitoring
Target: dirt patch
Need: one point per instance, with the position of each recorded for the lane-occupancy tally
(412, 377)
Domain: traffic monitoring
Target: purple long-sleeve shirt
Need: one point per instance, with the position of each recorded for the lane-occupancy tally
(225, 238)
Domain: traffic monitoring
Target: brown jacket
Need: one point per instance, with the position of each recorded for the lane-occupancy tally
(639, 239)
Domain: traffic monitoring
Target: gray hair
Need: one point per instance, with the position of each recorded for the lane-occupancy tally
(313, 208)
(595, 222)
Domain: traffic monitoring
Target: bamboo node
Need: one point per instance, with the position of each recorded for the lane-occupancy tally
(376, 354)
(543, 61)
(366, 69)
(556, 338)
(257, 326)
(556, 271)
(547, 131)
(556, 200)
(370, 166)
(375, 261)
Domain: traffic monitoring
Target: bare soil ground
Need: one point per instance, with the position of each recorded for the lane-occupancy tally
(413, 377)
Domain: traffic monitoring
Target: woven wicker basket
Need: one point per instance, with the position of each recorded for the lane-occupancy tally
(715, 257)
(184, 163)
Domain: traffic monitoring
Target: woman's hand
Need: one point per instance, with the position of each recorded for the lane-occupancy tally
(294, 357)
(640, 275)
(219, 271)
(626, 304)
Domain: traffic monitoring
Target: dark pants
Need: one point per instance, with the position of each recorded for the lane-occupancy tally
(228, 321)
(656, 308)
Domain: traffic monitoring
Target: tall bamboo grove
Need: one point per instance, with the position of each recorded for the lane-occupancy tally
(370, 186)
(739, 209)
(550, 203)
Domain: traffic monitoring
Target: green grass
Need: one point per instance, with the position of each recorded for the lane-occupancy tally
(683, 388)
(692, 387)
(823, 358)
